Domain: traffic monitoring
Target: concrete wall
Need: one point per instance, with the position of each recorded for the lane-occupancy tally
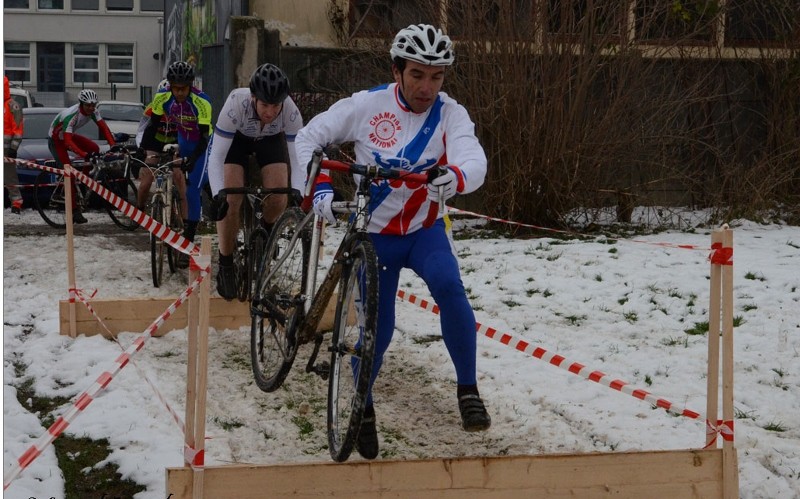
(300, 22)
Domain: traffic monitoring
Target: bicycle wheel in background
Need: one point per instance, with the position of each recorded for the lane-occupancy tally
(352, 346)
(277, 305)
(241, 257)
(125, 189)
(157, 246)
(176, 224)
(48, 197)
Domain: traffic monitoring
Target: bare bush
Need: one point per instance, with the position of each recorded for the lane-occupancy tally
(578, 108)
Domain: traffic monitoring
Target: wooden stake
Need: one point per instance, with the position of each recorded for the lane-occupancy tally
(73, 330)
(202, 370)
(730, 468)
(712, 380)
(191, 368)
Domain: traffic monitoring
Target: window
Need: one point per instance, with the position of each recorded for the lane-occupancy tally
(120, 63)
(590, 17)
(387, 17)
(85, 4)
(85, 63)
(676, 20)
(490, 18)
(51, 4)
(17, 61)
(756, 22)
(151, 5)
(16, 4)
(119, 5)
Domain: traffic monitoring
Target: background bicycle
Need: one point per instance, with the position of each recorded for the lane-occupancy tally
(287, 305)
(109, 170)
(252, 236)
(165, 208)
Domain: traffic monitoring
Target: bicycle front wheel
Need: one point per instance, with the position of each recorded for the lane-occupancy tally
(48, 197)
(352, 346)
(125, 189)
(176, 224)
(157, 248)
(276, 309)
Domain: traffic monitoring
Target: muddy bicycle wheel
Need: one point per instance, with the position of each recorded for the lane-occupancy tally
(276, 308)
(352, 346)
(49, 198)
(157, 246)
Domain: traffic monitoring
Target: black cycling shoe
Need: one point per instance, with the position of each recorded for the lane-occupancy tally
(226, 282)
(367, 444)
(78, 218)
(473, 413)
(183, 261)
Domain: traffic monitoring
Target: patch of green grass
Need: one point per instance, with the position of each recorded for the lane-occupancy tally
(228, 425)
(775, 426)
(753, 276)
(623, 300)
(547, 293)
(671, 341)
(613, 250)
(648, 380)
(749, 306)
(598, 278)
(698, 329)
(575, 320)
(740, 414)
(511, 303)
(554, 257)
(304, 426)
(631, 317)
(77, 457)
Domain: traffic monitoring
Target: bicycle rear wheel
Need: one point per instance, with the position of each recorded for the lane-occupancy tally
(277, 305)
(157, 246)
(125, 189)
(352, 346)
(48, 197)
(176, 224)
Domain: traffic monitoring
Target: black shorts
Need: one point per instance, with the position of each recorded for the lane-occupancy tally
(267, 150)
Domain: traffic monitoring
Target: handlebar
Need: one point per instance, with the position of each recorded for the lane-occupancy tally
(373, 172)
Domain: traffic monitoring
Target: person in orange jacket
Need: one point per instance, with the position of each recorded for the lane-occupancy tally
(12, 136)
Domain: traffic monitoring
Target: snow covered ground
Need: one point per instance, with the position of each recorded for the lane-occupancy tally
(620, 307)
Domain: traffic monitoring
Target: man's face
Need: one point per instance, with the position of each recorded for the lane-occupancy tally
(87, 109)
(267, 112)
(180, 92)
(420, 84)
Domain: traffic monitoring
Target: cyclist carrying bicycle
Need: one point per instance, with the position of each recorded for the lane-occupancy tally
(62, 137)
(411, 125)
(261, 120)
(185, 108)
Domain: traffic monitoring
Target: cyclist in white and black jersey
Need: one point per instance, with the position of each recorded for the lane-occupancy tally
(261, 120)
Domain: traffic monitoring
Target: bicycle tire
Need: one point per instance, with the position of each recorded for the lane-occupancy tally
(277, 305)
(124, 188)
(241, 259)
(176, 224)
(157, 246)
(352, 345)
(49, 199)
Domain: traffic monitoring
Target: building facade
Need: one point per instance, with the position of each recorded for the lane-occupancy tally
(56, 48)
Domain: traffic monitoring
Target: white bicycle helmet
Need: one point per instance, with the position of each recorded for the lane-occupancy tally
(424, 44)
(88, 96)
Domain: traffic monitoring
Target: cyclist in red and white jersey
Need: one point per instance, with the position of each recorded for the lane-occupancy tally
(261, 120)
(63, 137)
(411, 125)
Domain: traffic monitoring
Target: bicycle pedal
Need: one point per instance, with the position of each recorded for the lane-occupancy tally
(323, 370)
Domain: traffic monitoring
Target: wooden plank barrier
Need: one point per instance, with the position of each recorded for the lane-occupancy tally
(652, 474)
(136, 314)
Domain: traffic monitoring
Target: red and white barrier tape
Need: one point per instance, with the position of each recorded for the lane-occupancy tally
(85, 398)
(723, 427)
(578, 234)
(559, 361)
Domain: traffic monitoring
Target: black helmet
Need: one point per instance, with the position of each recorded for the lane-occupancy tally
(269, 84)
(180, 73)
